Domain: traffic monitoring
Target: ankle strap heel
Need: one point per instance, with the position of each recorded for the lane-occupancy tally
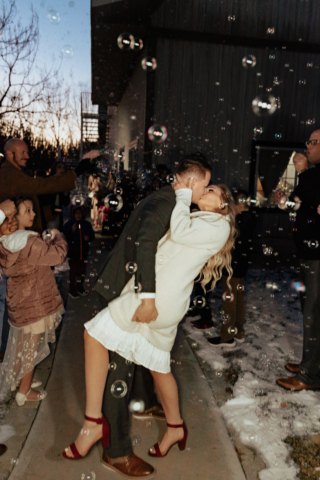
(183, 441)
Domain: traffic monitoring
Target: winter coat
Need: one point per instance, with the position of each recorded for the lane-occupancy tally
(191, 241)
(78, 246)
(14, 182)
(32, 292)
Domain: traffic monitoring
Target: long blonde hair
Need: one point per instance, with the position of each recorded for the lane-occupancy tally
(215, 265)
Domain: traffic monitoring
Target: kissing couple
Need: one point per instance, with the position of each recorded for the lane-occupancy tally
(146, 285)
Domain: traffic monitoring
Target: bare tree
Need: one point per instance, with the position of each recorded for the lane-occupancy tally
(22, 86)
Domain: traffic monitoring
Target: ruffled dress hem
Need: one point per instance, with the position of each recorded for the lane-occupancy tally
(129, 345)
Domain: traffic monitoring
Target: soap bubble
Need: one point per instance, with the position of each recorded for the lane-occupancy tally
(136, 406)
(271, 31)
(112, 366)
(171, 178)
(240, 287)
(309, 65)
(272, 56)
(264, 105)
(267, 251)
(253, 202)
(157, 133)
(118, 191)
(149, 64)
(302, 82)
(67, 51)
(199, 302)
(77, 200)
(136, 440)
(114, 202)
(231, 18)
(227, 297)
(313, 244)
(128, 362)
(278, 136)
(125, 41)
(48, 235)
(119, 389)
(249, 61)
(233, 330)
(298, 286)
(131, 267)
(258, 130)
(88, 476)
(54, 17)
(137, 44)
(194, 344)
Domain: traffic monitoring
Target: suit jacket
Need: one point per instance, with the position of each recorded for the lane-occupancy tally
(14, 182)
(138, 243)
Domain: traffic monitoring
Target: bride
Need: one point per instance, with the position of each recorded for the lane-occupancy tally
(196, 242)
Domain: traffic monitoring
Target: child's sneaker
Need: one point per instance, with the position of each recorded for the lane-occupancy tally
(74, 295)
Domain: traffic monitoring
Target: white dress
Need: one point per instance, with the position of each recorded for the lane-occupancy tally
(191, 241)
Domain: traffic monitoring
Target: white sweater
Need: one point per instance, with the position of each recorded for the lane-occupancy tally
(191, 241)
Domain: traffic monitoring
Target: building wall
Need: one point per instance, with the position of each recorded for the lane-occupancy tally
(128, 123)
(203, 95)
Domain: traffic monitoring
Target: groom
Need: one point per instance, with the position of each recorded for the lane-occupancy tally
(137, 247)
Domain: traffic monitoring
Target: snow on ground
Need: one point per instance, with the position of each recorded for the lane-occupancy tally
(262, 413)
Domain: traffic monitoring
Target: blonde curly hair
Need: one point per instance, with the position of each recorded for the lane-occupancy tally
(215, 265)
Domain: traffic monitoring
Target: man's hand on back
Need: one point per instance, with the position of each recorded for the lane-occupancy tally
(146, 312)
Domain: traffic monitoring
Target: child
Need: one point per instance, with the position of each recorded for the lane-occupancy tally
(78, 233)
(233, 305)
(35, 306)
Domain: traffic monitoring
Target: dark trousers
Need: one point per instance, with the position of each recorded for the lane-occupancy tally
(310, 302)
(140, 386)
(5, 329)
(233, 327)
(77, 274)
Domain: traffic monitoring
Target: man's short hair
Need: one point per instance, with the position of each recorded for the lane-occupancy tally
(195, 162)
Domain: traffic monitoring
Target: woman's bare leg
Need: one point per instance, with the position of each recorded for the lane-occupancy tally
(167, 390)
(96, 371)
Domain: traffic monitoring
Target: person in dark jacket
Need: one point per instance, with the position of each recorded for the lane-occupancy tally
(78, 232)
(232, 331)
(304, 201)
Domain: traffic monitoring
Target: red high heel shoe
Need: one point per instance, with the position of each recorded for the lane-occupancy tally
(181, 443)
(105, 440)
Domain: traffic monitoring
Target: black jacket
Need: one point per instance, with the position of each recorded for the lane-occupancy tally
(138, 243)
(306, 228)
(241, 253)
(78, 246)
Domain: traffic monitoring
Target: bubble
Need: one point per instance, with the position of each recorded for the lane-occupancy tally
(114, 202)
(67, 51)
(136, 406)
(131, 267)
(309, 65)
(272, 56)
(267, 251)
(313, 244)
(98, 252)
(149, 64)
(88, 476)
(112, 366)
(199, 302)
(119, 389)
(125, 41)
(258, 130)
(171, 178)
(249, 61)
(264, 105)
(77, 200)
(233, 330)
(48, 235)
(157, 133)
(231, 18)
(157, 151)
(219, 374)
(138, 44)
(128, 362)
(259, 74)
(240, 287)
(118, 191)
(194, 344)
(54, 17)
(298, 286)
(302, 82)
(227, 297)
(137, 288)
(278, 136)
(271, 30)
(253, 202)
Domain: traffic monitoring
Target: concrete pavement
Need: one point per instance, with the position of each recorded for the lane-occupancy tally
(210, 453)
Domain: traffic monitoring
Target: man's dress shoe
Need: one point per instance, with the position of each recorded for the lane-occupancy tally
(293, 367)
(129, 466)
(3, 449)
(293, 383)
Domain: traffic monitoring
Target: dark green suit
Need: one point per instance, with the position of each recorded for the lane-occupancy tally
(138, 243)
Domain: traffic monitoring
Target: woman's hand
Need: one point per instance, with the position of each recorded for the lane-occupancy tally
(180, 183)
(10, 225)
(146, 312)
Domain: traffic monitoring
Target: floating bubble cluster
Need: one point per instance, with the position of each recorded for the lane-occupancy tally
(264, 105)
(267, 251)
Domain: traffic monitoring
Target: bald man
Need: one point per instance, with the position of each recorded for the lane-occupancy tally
(307, 239)
(13, 181)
